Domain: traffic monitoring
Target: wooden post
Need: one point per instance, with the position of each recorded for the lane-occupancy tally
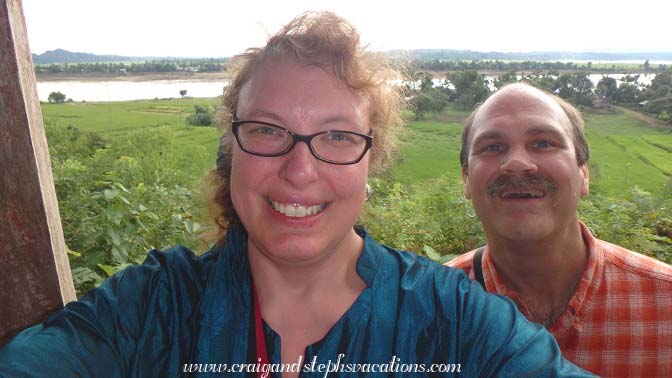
(35, 277)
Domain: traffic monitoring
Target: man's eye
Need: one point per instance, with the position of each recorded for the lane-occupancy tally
(492, 148)
(542, 144)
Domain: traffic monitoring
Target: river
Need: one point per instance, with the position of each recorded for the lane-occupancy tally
(124, 90)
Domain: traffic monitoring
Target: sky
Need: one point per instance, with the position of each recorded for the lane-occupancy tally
(222, 28)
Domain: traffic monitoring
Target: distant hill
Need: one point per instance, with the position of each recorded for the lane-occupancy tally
(64, 56)
(433, 54)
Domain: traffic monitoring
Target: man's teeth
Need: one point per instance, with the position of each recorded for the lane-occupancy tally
(523, 195)
(297, 211)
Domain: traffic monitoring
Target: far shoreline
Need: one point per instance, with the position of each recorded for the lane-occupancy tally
(224, 76)
(147, 76)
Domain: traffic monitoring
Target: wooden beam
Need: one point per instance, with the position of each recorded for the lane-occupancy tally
(35, 277)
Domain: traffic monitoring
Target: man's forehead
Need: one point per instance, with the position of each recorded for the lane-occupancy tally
(536, 106)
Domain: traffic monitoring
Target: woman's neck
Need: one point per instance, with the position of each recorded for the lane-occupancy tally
(302, 302)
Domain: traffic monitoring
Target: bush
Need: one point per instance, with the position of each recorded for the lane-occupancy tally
(121, 198)
(201, 117)
(433, 219)
(56, 98)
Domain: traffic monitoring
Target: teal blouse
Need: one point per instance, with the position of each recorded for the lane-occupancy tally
(179, 314)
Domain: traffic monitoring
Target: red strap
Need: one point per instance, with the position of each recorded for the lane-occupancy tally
(262, 354)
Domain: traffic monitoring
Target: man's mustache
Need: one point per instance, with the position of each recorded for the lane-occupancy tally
(518, 182)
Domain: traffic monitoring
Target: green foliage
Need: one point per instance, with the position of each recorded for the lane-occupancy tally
(638, 221)
(606, 88)
(659, 94)
(183, 92)
(506, 78)
(121, 198)
(56, 98)
(201, 117)
(470, 88)
(664, 116)
(576, 88)
(433, 218)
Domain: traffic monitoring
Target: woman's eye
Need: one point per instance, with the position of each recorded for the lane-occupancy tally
(337, 136)
(265, 130)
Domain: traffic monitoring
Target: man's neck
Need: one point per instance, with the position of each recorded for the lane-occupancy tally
(545, 273)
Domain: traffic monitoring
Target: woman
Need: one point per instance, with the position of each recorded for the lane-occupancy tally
(292, 280)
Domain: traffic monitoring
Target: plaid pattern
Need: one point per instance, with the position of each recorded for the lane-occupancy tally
(619, 321)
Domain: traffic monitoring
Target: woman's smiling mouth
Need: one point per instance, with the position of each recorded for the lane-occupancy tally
(296, 210)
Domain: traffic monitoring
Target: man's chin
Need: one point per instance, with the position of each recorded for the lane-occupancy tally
(524, 230)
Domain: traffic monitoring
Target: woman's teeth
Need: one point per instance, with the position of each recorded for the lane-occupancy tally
(297, 211)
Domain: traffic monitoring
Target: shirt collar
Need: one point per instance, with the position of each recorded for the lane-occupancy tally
(578, 305)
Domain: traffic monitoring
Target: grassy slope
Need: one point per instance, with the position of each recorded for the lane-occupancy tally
(111, 119)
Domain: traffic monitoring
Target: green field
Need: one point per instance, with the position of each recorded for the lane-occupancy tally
(625, 150)
(111, 119)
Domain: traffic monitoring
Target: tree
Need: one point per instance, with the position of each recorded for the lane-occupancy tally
(607, 87)
(422, 95)
(56, 97)
(576, 88)
(183, 92)
(545, 82)
(506, 78)
(627, 93)
(470, 88)
(659, 94)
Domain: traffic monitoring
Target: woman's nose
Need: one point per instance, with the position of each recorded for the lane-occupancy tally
(300, 166)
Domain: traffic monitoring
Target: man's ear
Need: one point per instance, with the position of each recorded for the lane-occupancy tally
(465, 183)
(585, 184)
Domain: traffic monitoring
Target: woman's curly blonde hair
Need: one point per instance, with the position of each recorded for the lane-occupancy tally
(327, 41)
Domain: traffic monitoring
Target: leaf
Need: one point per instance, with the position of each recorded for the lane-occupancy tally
(110, 194)
(83, 275)
(72, 253)
(191, 227)
(114, 235)
(122, 187)
(107, 269)
(431, 253)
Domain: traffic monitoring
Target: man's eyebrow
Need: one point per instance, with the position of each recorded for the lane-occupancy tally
(493, 134)
(545, 130)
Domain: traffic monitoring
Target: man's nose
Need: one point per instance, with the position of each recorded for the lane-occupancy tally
(518, 160)
(300, 166)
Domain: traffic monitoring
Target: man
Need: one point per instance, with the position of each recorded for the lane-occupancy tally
(524, 166)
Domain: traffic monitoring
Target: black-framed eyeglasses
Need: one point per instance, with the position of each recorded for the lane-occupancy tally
(332, 146)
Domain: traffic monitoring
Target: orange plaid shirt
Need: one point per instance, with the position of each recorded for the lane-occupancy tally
(619, 321)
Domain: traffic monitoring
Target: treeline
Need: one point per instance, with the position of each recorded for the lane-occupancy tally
(182, 65)
(447, 54)
(467, 88)
(529, 65)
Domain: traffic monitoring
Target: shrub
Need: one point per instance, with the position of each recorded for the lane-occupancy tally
(200, 117)
(120, 199)
(56, 97)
